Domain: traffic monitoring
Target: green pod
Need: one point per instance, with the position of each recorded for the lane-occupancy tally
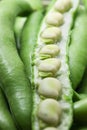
(6, 121)
(28, 39)
(35, 4)
(80, 112)
(77, 49)
(15, 83)
(50, 73)
(18, 29)
(82, 87)
(84, 3)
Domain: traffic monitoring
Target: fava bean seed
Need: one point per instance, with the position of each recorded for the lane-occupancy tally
(49, 111)
(63, 5)
(49, 51)
(50, 87)
(51, 35)
(49, 65)
(55, 18)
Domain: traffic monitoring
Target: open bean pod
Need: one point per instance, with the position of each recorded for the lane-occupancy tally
(52, 97)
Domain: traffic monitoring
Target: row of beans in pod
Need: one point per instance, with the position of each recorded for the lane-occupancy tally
(49, 87)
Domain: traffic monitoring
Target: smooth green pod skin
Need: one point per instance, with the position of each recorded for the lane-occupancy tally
(18, 29)
(85, 3)
(28, 39)
(14, 82)
(82, 87)
(80, 107)
(36, 4)
(6, 121)
(80, 111)
(77, 49)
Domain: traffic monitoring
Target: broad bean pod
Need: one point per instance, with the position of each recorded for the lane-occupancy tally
(31, 28)
(19, 23)
(80, 111)
(78, 63)
(15, 83)
(80, 106)
(82, 87)
(6, 121)
(77, 48)
(85, 3)
(52, 97)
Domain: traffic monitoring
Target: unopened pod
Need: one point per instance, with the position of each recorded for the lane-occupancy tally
(13, 79)
(77, 48)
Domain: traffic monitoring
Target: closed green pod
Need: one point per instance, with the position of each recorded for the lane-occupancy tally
(82, 87)
(6, 120)
(80, 111)
(15, 83)
(18, 29)
(77, 48)
(28, 39)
